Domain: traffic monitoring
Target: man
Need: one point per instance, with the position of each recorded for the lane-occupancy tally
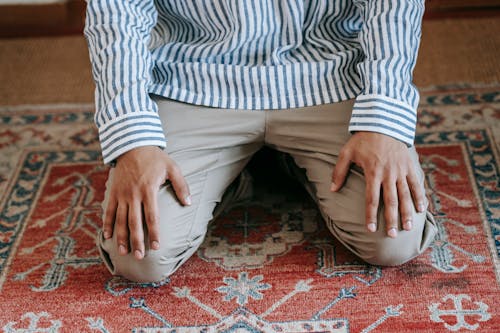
(328, 82)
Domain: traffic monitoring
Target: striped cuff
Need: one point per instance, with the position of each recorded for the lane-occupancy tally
(382, 114)
(130, 131)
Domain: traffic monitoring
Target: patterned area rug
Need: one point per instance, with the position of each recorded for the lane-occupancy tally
(267, 265)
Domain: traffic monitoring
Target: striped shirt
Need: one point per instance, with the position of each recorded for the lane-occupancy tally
(251, 54)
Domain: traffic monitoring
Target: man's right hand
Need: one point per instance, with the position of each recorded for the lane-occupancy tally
(138, 175)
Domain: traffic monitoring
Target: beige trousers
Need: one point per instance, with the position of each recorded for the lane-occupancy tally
(212, 146)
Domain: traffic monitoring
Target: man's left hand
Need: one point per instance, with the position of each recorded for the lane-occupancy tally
(389, 170)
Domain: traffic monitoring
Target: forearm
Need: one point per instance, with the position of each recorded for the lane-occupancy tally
(118, 33)
(389, 38)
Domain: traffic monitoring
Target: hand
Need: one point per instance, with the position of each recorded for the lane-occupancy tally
(388, 168)
(138, 175)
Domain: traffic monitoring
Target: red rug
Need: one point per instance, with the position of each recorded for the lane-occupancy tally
(267, 265)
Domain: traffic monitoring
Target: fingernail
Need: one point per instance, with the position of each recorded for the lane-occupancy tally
(122, 250)
(155, 245)
(107, 235)
(408, 225)
(188, 200)
(372, 227)
(333, 187)
(393, 233)
(138, 254)
(421, 208)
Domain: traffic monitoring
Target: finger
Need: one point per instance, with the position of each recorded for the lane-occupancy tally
(340, 171)
(405, 204)
(135, 228)
(179, 184)
(109, 218)
(151, 213)
(391, 207)
(417, 191)
(121, 229)
(372, 199)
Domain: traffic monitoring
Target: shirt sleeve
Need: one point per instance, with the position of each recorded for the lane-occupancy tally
(389, 37)
(118, 33)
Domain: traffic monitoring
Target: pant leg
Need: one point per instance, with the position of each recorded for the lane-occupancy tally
(211, 147)
(313, 137)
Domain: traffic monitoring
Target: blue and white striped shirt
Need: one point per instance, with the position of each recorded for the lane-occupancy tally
(251, 54)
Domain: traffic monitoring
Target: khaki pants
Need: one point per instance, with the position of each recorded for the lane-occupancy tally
(212, 146)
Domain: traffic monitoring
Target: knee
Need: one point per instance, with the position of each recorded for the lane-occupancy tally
(389, 252)
(379, 249)
(156, 265)
(386, 251)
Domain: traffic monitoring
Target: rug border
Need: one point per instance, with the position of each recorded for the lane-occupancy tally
(485, 222)
(492, 248)
(491, 241)
(9, 188)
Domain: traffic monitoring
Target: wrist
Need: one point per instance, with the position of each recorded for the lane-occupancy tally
(137, 152)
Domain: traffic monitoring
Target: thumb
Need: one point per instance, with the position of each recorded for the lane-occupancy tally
(180, 185)
(340, 172)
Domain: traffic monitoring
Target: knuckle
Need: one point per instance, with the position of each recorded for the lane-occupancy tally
(391, 217)
(391, 201)
(410, 174)
(152, 224)
(345, 152)
(419, 191)
(127, 193)
(122, 240)
(372, 171)
(371, 217)
(406, 205)
(120, 222)
(121, 231)
(389, 175)
(108, 218)
(107, 222)
(409, 165)
(136, 242)
(404, 192)
(136, 235)
(110, 210)
(174, 170)
(113, 194)
(146, 189)
(134, 226)
(371, 202)
(414, 183)
(406, 211)
(406, 217)
(401, 183)
(152, 221)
